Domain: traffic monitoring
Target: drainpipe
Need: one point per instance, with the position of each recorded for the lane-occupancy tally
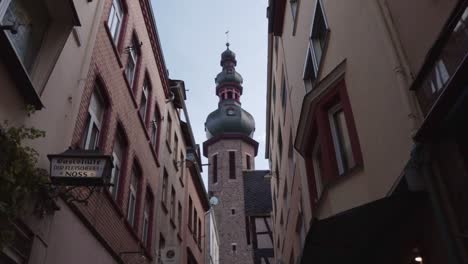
(421, 163)
(399, 64)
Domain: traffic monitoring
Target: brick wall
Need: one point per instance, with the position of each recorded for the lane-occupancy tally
(231, 227)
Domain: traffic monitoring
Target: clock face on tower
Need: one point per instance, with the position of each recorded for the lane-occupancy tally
(230, 112)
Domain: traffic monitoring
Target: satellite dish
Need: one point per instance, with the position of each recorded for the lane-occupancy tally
(214, 200)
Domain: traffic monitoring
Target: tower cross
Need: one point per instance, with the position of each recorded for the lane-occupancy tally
(227, 37)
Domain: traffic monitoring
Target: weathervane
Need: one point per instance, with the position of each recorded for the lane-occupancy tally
(227, 38)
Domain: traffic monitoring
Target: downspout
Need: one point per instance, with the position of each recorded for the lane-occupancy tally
(399, 63)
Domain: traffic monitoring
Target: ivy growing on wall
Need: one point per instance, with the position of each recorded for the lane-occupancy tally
(21, 182)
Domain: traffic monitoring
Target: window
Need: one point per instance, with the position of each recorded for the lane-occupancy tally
(172, 209)
(440, 76)
(280, 143)
(232, 165)
(317, 168)
(176, 144)
(199, 232)
(168, 129)
(132, 62)
(114, 22)
(215, 168)
(33, 19)
(162, 242)
(233, 211)
(155, 129)
(318, 36)
(182, 165)
(96, 111)
(144, 101)
(195, 217)
(294, 5)
(133, 195)
(284, 94)
(190, 213)
(164, 187)
(179, 215)
(147, 220)
(273, 88)
(117, 159)
(285, 192)
(247, 157)
(341, 140)
(234, 247)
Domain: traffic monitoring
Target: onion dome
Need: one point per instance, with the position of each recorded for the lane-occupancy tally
(229, 118)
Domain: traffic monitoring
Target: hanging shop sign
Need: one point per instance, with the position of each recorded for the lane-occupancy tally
(80, 168)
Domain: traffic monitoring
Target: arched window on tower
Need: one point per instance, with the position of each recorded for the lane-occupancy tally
(229, 95)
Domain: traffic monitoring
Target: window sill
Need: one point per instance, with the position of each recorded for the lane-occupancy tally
(164, 207)
(132, 230)
(114, 47)
(113, 202)
(172, 223)
(19, 73)
(142, 122)
(155, 155)
(129, 88)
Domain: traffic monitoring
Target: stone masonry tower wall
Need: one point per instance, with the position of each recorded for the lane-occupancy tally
(229, 212)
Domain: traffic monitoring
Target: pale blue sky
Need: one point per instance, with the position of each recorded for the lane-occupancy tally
(192, 38)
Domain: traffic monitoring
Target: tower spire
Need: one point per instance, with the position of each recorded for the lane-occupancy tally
(227, 38)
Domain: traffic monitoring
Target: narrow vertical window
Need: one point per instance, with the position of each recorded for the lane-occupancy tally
(132, 62)
(247, 159)
(284, 94)
(182, 165)
(172, 208)
(341, 140)
(179, 215)
(96, 111)
(176, 144)
(144, 101)
(164, 187)
(293, 9)
(190, 213)
(195, 217)
(162, 242)
(155, 129)
(232, 165)
(318, 36)
(168, 128)
(280, 143)
(215, 168)
(234, 247)
(317, 167)
(199, 232)
(147, 219)
(114, 22)
(117, 159)
(133, 195)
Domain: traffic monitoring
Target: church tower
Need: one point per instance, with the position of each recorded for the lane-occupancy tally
(230, 150)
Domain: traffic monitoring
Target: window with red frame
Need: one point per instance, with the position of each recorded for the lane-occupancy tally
(147, 220)
(334, 146)
(134, 190)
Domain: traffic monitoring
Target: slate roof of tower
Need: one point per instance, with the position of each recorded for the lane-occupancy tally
(257, 192)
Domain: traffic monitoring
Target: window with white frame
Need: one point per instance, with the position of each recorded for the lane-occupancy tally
(144, 100)
(440, 76)
(117, 159)
(96, 111)
(132, 196)
(317, 41)
(317, 167)
(132, 62)
(341, 139)
(32, 20)
(146, 222)
(114, 22)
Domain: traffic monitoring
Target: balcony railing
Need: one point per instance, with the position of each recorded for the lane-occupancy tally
(445, 65)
